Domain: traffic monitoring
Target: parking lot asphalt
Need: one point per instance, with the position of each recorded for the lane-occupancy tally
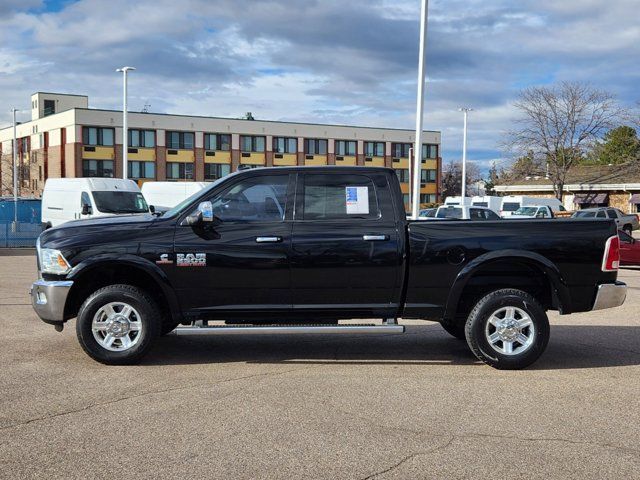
(403, 406)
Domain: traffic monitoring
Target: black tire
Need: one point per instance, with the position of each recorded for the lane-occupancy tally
(476, 329)
(628, 229)
(151, 319)
(455, 329)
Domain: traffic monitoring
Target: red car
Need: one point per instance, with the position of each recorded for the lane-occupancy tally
(629, 249)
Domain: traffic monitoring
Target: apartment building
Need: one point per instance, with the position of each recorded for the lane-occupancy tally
(66, 138)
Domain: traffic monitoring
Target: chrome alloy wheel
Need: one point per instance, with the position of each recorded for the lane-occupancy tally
(510, 331)
(116, 326)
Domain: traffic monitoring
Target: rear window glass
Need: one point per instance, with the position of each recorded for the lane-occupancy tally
(339, 197)
(449, 212)
(510, 206)
(480, 204)
(585, 214)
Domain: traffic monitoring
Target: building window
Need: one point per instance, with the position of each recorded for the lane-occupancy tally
(142, 138)
(285, 145)
(427, 198)
(400, 150)
(141, 169)
(217, 141)
(345, 147)
(429, 151)
(250, 143)
(405, 199)
(180, 140)
(428, 176)
(213, 171)
(49, 107)
(315, 146)
(97, 136)
(374, 149)
(179, 171)
(403, 175)
(97, 168)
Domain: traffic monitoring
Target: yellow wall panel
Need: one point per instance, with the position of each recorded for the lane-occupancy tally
(428, 188)
(144, 154)
(404, 187)
(253, 158)
(184, 156)
(219, 157)
(346, 160)
(316, 160)
(287, 159)
(430, 164)
(403, 163)
(100, 153)
(375, 162)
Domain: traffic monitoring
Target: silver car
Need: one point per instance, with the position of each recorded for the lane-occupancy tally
(625, 221)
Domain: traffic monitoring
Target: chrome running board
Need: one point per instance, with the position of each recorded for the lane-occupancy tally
(289, 329)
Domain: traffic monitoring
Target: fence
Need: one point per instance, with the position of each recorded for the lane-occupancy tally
(25, 231)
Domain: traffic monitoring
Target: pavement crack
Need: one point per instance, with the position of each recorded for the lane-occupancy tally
(143, 394)
(411, 457)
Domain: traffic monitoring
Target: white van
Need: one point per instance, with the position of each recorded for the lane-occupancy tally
(166, 195)
(487, 201)
(457, 200)
(65, 199)
(511, 203)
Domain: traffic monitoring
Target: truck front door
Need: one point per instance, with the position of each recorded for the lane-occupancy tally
(239, 264)
(346, 251)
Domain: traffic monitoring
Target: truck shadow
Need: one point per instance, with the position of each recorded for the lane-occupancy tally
(575, 346)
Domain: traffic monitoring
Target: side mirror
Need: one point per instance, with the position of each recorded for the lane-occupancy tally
(152, 209)
(203, 214)
(86, 209)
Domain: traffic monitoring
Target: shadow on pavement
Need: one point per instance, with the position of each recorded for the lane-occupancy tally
(575, 346)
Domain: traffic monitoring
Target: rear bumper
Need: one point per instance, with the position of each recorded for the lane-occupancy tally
(610, 295)
(49, 298)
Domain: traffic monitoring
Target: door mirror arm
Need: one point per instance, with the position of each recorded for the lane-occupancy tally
(203, 215)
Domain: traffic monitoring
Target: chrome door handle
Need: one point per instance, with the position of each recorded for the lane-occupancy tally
(268, 239)
(375, 238)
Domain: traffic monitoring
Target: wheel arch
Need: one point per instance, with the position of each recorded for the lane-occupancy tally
(97, 272)
(514, 261)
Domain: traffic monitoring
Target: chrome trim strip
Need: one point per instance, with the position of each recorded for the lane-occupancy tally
(268, 239)
(292, 330)
(374, 238)
(610, 295)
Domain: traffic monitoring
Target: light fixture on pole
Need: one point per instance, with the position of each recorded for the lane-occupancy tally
(464, 152)
(125, 130)
(417, 147)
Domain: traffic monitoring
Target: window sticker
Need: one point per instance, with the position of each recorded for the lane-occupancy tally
(357, 200)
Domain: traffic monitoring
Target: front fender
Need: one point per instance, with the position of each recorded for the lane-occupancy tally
(550, 270)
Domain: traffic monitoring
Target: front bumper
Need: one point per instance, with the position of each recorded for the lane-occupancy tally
(48, 299)
(610, 295)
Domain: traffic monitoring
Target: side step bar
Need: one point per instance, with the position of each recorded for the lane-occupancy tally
(289, 329)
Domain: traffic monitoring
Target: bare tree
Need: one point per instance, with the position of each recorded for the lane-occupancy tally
(452, 178)
(559, 124)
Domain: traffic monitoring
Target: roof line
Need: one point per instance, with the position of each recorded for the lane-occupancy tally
(65, 94)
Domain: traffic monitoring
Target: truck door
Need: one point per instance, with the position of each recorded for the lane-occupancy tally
(346, 251)
(239, 264)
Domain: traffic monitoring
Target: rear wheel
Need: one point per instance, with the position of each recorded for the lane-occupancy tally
(507, 329)
(118, 324)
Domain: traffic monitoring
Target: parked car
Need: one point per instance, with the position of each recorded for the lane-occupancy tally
(466, 213)
(625, 221)
(629, 249)
(428, 213)
(296, 249)
(166, 195)
(66, 199)
(512, 203)
(536, 211)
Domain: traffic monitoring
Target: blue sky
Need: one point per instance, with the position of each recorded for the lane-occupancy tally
(327, 61)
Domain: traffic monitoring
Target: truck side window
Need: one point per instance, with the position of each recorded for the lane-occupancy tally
(601, 214)
(611, 213)
(339, 197)
(255, 199)
(475, 214)
(491, 215)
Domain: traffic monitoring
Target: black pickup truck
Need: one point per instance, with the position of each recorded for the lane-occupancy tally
(296, 250)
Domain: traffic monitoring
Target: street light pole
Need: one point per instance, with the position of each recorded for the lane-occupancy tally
(125, 130)
(15, 170)
(465, 111)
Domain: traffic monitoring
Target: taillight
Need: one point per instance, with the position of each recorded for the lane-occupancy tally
(611, 259)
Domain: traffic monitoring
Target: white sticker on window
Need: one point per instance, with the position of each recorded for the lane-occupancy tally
(357, 200)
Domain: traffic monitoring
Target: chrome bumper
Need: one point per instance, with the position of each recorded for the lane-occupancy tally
(610, 295)
(48, 299)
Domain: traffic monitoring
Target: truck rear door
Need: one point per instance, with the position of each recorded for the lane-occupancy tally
(346, 246)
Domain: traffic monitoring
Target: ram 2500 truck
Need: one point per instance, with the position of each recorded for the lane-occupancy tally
(296, 250)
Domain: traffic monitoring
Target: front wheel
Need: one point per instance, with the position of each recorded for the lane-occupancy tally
(118, 324)
(507, 329)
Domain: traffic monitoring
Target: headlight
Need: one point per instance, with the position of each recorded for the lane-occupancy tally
(52, 261)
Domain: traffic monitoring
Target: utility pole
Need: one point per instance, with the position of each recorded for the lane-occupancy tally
(417, 147)
(125, 129)
(15, 173)
(465, 111)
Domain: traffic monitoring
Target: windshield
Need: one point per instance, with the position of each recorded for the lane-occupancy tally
(526, 211)
(178, 208)
(449, 212)
(120, 202)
